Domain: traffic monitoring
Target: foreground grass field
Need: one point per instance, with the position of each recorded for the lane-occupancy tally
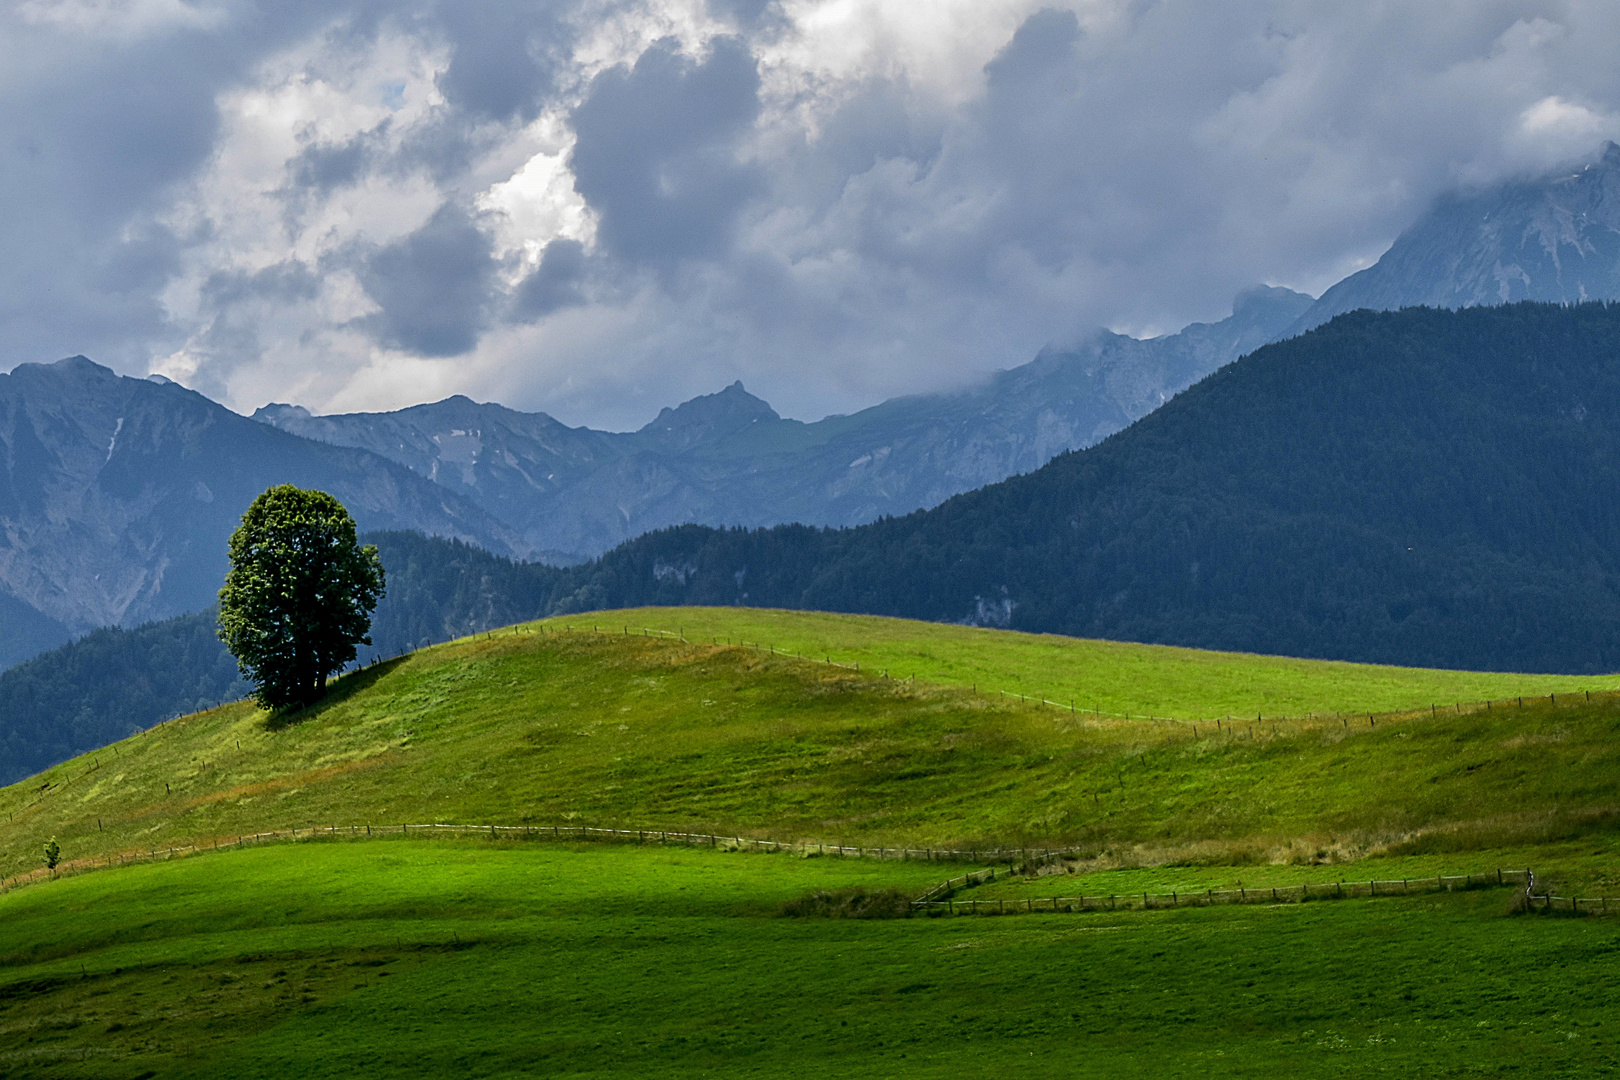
(548, 727)
(433, 959)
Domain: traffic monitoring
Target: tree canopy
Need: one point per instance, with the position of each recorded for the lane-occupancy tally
(299, 595)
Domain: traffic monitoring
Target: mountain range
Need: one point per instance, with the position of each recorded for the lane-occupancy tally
(117, 494)
(1552, 238)
(729, 459)
(1422, 487)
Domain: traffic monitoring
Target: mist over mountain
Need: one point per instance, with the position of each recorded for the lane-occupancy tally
(729, 459)
(1554, 238)
(117, 496)
(1421, 487)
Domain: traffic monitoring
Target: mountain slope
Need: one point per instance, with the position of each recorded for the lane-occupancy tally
(1421, 487)
(117, 494)
(1554, 238)
(728, 458)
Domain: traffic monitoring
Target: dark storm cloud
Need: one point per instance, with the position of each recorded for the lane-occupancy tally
(320, 167)
(288, 282)
(656, 154)
(433, 286)
(1039, 58)
(502, 56)
(94, 134)
(554, 284)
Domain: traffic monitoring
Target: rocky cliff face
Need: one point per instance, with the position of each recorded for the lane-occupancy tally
(1556, 238)
(729, 459)
(117, 496)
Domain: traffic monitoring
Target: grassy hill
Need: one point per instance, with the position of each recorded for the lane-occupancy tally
(466, 956)
(542, 724)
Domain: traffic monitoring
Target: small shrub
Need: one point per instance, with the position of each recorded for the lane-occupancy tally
(852, 903)
(53, 853)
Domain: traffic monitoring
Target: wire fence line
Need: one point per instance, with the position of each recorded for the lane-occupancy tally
(936, 902)
(525, 832)
(932, 904)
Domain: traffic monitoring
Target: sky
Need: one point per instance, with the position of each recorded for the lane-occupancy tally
(598, 208)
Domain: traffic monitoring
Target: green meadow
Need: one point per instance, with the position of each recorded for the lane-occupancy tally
(400, 958)
(518, 957)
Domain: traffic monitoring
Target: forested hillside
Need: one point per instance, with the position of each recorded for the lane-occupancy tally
(1420, 487)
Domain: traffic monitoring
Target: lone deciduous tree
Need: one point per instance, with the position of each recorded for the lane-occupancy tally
(299, 595)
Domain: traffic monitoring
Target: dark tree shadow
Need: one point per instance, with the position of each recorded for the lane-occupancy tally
(338, 691)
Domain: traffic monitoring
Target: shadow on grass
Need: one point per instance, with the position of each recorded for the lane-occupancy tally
(338, 691)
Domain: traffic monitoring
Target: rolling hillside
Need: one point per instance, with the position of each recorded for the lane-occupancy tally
(432, 959)
(114, 681)
(546, 725)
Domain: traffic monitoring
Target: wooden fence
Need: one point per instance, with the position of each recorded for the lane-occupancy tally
(530, 832)
(1144, 901)
(928, 904)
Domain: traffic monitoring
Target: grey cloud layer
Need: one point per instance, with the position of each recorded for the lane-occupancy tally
(830, 233)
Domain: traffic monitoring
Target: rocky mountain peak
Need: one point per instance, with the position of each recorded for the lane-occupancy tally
(276, 413)
(710, 416)
(1554, 238)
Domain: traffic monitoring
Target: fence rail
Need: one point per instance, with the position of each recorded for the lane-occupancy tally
(1146, 901)
(528, 832)
(925, 905)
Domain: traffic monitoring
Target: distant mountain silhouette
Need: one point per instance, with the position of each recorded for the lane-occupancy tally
(1422, 487)
(729, 459)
